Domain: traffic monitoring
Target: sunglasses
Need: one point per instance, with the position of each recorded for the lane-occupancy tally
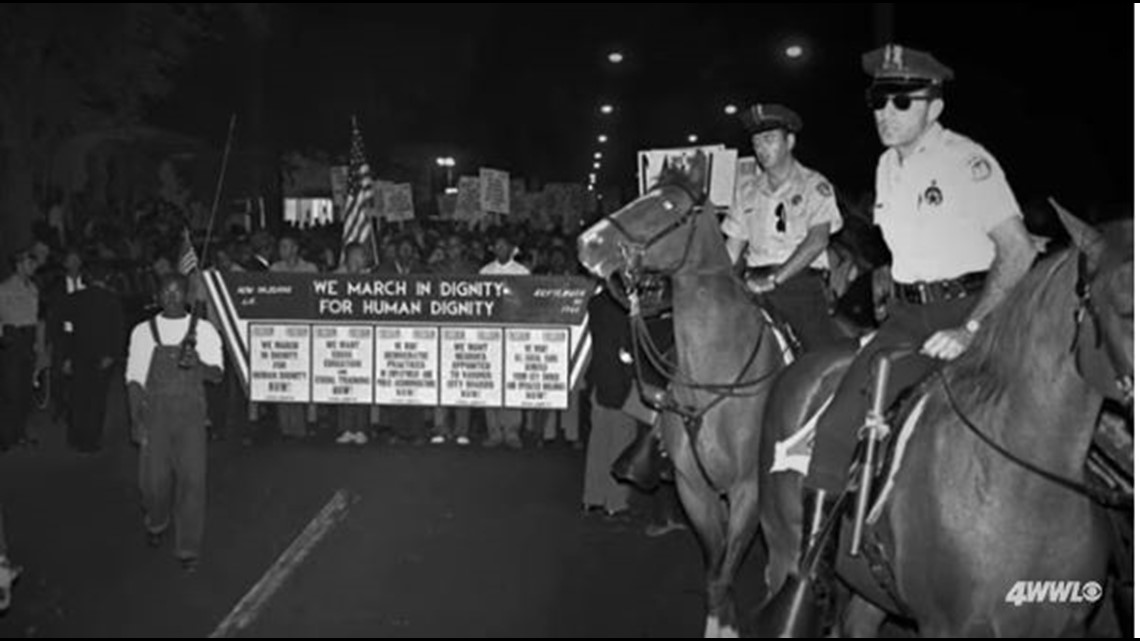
(781, 219)
(901, 101)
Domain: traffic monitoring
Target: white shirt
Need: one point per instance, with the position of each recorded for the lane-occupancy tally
(937, 208)
(509, 268)
(808, 200)
(19, 302)
(75, 284)
(171, 331)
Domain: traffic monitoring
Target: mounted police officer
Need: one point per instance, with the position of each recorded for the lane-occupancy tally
(958, 243)
(781, 219)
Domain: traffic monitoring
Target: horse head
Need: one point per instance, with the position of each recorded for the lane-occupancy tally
(654, 232)
(1104, 342)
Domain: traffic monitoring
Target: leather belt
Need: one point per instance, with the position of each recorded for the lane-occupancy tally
(941, 290)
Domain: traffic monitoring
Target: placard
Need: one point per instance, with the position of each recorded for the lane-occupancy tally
(471, 366)
(279, 356)
(407, 365)
(342, 364)
(537, 371)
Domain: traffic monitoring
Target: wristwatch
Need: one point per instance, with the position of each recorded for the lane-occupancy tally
(973, 326)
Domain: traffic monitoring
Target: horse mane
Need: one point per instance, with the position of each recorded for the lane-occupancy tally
(1037, 306)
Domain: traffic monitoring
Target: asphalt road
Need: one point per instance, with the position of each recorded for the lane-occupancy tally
(435, 542)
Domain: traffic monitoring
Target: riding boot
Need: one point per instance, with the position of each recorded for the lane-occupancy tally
(798, 610)
(641, 463)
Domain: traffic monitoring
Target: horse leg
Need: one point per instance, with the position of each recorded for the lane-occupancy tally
(743, 521)
(862, 619)
(781, 519)
(708, 515)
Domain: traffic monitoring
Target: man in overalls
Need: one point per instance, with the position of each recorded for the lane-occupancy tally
(170, 357)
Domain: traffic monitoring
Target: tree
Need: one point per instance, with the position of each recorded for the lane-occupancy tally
(69, 69)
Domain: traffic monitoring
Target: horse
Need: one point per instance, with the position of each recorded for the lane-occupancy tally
(727, 356)
(989, 492)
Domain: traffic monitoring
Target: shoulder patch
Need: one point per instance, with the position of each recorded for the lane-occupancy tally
(980, 168)
(824, 189)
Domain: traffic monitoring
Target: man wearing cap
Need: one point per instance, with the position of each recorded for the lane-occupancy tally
(780, 221)
(957, 239)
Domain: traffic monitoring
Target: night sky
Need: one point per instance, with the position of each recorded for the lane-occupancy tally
(1047, 90)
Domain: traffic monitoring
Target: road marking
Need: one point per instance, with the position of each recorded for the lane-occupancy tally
(251, 605)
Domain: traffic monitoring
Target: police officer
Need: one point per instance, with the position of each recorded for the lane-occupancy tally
(956, 235)
(781, 220)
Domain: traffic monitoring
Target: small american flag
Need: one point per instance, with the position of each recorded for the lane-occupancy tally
(357, 223)
(187, 257)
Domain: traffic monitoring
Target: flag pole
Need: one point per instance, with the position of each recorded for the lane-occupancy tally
(375, 251)
(218, 191)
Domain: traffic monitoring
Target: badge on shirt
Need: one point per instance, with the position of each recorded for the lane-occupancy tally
(933, 195)
(980, 169)
(824, 189)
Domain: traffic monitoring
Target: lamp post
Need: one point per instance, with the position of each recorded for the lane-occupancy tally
(448, 163)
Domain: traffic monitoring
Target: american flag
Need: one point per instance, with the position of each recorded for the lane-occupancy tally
(187, 257)
(357, 223)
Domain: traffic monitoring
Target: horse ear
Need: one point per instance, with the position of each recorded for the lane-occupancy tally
(698, 172)
(1087, 239)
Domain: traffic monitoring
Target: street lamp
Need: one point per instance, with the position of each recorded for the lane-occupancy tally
(794, 51)
(597, 165)
(692, 138)
(615, 57)
(448, 163)
(597, 155)
(607, 109)
(730, 110)
(603, 138)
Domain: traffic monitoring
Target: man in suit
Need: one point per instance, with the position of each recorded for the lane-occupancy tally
(92, 342)
(610, 375)
(262, 244)
(72, 280)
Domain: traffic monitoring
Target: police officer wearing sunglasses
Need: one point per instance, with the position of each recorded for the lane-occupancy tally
(780, 221)
(956, 236)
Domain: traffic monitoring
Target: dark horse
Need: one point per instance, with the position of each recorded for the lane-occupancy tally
(969, 523)
(727, 356)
